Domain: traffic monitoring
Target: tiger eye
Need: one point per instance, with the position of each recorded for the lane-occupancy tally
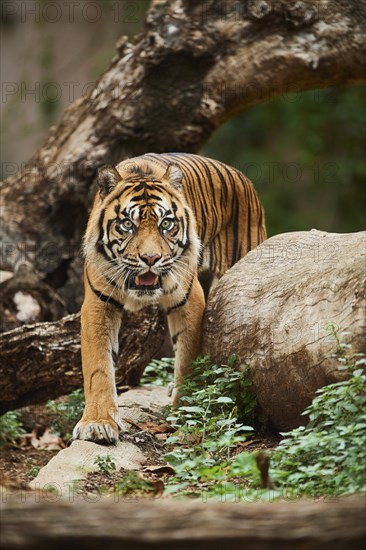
(126, 225)
(167, 224)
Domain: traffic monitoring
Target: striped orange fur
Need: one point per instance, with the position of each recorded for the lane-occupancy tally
(158, 222)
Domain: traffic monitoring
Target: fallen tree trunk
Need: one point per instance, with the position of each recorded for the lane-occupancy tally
(273, 309)
(43, 361)
(305, 525)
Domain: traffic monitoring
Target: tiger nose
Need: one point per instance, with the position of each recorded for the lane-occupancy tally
(150, 259)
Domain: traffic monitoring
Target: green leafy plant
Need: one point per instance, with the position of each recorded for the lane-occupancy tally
(133, 483)
(33, 472)
(105, 464)
(159, 372)
(11, 428)
(67, 413)
(217, 401)
(328, 456)
(325, 458)
(216, 391)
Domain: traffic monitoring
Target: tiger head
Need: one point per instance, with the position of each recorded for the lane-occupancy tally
(142, 238)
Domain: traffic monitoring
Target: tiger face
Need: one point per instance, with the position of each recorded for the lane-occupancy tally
(144, 242)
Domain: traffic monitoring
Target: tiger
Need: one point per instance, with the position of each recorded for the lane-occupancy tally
(158, 223)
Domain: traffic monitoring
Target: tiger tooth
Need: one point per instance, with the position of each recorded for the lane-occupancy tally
(156, 280)
(137, 280)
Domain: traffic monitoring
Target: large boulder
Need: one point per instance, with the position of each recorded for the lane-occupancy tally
(273, 310)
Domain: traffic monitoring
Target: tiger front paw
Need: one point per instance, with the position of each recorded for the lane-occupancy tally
(102, 431)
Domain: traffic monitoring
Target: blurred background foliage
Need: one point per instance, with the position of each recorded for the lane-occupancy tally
(304, 152)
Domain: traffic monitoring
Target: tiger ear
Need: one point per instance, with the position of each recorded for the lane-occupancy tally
(174, 176)
(108, 177)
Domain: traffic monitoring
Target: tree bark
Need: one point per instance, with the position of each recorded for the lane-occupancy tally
(31, 521)
(43, 361)
(273, 309)
(196, 65)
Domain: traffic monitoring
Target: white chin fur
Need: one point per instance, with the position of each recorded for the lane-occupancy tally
(136, 301)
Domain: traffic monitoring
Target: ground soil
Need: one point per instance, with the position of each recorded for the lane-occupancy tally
(155, 477)
(19, 465)
(20, 462)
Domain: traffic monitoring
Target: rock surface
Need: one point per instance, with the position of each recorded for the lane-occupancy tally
(273, 309)
(72, 464)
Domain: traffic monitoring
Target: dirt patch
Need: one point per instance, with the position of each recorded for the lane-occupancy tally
(151, 446)
(149, 482)
(131, 469)
(125, 484)
(259, 443)
(19, 465)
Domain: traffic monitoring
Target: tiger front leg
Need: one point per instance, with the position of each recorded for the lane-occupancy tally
(99, 342)
(185, 325)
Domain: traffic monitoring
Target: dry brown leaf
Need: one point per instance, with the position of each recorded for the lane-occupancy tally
(47, 441)
(247, 443)
(160, 469)
(33, 439)
(50, 441)
(129, 421)
(157, 484)
(154, 428)
(151, 427)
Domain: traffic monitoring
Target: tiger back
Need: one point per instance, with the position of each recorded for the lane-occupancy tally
(157, 222)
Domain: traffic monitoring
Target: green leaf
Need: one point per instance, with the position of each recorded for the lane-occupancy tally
(224, 400)
(196, 409)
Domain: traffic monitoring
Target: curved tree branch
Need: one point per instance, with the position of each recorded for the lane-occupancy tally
(196, 65)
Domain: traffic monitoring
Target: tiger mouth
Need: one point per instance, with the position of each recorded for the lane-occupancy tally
(146, 281)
